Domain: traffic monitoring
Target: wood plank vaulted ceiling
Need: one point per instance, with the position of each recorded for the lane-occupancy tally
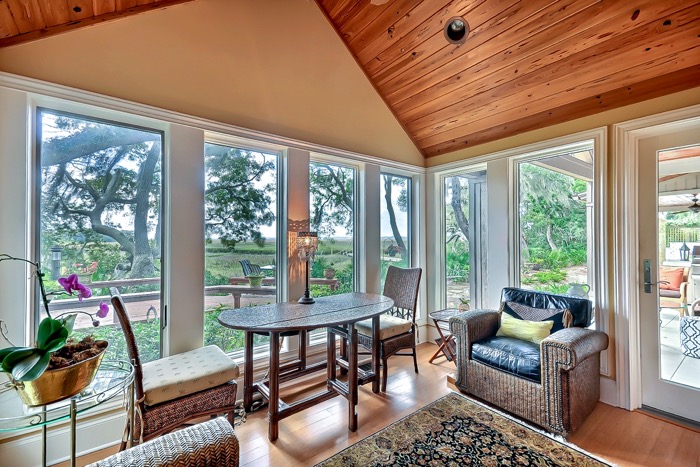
(525, 64)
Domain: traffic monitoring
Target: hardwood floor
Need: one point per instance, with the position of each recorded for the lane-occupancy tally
(622, 437)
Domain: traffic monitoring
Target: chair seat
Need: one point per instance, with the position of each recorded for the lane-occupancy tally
(389, 326)
(518, 357)
(670, 293)
(186, 373)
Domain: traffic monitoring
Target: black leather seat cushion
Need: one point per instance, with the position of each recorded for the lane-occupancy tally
(521, 358)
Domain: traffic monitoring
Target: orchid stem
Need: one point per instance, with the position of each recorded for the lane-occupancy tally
(4, 332)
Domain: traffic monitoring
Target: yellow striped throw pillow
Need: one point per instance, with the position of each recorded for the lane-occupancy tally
(533, 331)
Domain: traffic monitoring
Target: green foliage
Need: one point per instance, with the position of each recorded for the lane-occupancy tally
(559, 259)
(238, 194)
(332, 191)
(551, 218)
(147, 338)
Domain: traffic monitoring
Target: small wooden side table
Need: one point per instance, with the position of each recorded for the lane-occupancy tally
(445, 342)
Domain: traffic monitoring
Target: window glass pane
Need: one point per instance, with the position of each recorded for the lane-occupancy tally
(555, 215)
(100, 218)
(241, 246)
(395, 222)
(332, 205)
(465, 240)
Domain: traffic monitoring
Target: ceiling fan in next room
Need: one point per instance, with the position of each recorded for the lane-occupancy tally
(695, 207)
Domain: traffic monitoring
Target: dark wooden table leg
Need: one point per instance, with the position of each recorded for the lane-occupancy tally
(303, 340)
(375, 354)
(352, 378)
(248, 383)
(274, 403)
(330, 356)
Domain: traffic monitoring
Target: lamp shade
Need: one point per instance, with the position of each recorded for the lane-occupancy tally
(307, 244)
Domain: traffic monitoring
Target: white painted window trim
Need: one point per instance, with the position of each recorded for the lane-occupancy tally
(626, 256)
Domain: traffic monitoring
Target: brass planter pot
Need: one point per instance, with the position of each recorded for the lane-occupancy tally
(55, 385)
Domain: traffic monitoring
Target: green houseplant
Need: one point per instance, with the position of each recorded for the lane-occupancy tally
(53, 348)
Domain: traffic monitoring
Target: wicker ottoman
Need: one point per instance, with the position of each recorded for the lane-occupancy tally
(208, 444)
(690, 336)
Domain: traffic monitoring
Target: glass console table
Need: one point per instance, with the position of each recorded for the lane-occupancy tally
(112, 379)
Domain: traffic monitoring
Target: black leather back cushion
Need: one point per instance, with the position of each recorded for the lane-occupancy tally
(580, 308)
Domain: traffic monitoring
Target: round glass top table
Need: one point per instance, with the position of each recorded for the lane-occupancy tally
(112, 379)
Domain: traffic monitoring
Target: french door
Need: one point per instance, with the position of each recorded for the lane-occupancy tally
(668, 229)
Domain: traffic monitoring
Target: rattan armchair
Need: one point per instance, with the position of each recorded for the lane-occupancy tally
(397, 328)
(209, 444)
(566, 387)
(175, 390)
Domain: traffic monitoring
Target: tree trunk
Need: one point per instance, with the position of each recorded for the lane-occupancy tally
(456, 203)
(388, 179)
(143, 265)
(550, 240)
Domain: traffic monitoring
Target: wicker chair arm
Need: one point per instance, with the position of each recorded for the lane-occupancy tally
(212, 443)
(472, 326)
(570, 346)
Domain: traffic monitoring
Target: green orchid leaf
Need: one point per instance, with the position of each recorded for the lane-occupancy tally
(34, 370)
(69, 322)
(11, 360)
(6, 351)
(59, 341)
(47, 328)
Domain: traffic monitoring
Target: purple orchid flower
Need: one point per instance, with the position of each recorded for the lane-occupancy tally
(104, 310)
(71, 284)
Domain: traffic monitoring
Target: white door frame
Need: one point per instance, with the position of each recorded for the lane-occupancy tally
(625, 257)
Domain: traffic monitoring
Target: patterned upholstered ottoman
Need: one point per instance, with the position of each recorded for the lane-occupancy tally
(690, 336)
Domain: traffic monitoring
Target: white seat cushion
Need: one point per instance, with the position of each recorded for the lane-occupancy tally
(183, 374)
(389, 326)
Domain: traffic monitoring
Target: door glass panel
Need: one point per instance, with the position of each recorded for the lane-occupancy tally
(100, 218)
(465, 239)
(395, 223)
(679, 265)
(555, 219)
(240, 246)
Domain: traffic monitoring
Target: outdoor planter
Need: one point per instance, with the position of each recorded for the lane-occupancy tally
(255, 281)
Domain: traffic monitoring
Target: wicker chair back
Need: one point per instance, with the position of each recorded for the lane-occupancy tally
(401, 285)
(131, 346)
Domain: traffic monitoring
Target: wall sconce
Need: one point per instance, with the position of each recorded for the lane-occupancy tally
(307, 244)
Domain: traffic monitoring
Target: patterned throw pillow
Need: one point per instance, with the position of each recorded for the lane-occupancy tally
(561, 318)
(533, 331)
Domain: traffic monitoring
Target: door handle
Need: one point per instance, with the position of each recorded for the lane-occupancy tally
(647, 276)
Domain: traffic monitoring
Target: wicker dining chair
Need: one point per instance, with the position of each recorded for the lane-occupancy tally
(174, 390)
(397, 328)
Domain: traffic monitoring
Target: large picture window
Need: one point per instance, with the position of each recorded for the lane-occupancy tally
(100, 218)
(241, 244)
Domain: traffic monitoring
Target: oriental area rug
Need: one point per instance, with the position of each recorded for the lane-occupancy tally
(456, 431)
